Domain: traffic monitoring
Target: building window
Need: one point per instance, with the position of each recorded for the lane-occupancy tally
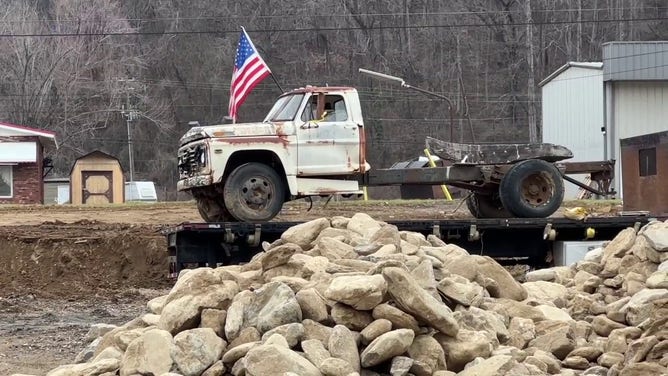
(647, 158)
(6, 186)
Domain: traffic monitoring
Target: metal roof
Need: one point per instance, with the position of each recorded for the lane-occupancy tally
(47, 138)
(635, 61)
(586, 65)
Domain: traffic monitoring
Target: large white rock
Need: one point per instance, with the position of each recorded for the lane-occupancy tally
(272, 305)
(663, 267)
(427, 350)
(342, 344)
(374, 330)
(489, 274)
(595, 255)
(397, 317)
(315, 351)
(278, 256)
(658, 280)
(446, 254)
(460, 290)
(657, 235)
(541, 275)
(363, 224)
(646, 296)
(196, 350)
(335, 249)
(554, 313)
(293, 333)
(387, 346)
(558, 341)
(620, 244)
(350, 317)
(101, 367)
(312, 304)
(424, 276)
(149, 354)
(644, 251)
(303, 234)
(546, 292)
(416, 301)
(336, 367)
(478, 319)
(465, 347)
(277, 360)
(184, 311)
(496, 365)
(362, 292)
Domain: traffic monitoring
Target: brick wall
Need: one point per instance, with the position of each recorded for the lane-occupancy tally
(27, 179)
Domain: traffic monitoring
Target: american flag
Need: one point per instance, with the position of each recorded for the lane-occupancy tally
(249, 70)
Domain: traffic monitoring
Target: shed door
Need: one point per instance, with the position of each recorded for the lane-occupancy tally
(98, 187)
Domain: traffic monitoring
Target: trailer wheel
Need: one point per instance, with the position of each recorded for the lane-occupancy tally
(486, 206)
(212, 211)
(532, 189)
(254, 193)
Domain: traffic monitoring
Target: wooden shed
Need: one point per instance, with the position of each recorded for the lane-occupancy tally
(97, 178)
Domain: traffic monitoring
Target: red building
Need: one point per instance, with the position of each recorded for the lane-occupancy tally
(645, 172)
(22, 163)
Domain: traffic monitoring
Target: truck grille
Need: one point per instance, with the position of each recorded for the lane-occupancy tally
(192, 159)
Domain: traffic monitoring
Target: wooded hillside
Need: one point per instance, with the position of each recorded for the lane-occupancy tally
(73, 66)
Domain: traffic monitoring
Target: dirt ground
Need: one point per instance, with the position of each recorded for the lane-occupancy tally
(64, 268)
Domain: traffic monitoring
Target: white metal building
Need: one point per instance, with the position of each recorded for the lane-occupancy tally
(573, 113)
(635, 76)
(589, 107)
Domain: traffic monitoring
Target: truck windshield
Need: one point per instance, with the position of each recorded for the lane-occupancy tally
(285, 108)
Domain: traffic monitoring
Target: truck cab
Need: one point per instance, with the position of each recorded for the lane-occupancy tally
(311, 143)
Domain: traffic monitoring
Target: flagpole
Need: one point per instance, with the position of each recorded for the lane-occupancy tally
(277, 84)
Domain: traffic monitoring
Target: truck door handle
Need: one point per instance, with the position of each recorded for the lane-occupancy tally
(309, 126)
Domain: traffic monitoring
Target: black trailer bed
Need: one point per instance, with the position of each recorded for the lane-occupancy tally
(512, 240)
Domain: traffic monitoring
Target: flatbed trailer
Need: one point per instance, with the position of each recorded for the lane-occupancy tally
(509, 240)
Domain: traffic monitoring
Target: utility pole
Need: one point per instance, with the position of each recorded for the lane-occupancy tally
(130, 113)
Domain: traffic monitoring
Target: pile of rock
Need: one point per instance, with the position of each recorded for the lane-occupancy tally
(353, 296)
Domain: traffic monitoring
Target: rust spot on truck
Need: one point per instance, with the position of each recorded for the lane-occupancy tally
(362, 134)
(279, 128)
(258, 140)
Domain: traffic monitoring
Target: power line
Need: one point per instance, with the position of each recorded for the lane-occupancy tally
(321, 29)
(330, 16)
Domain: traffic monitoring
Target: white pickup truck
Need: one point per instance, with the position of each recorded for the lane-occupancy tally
(312, 143)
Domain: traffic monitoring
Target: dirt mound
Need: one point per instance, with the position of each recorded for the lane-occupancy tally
(81, 258)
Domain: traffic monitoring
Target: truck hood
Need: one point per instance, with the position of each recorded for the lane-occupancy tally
(229, 130)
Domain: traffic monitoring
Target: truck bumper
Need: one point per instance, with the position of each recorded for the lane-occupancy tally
(194, 182)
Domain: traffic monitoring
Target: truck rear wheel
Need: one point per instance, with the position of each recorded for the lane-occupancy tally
(532, 189)
(212, 211)
(486, 206)
(254, 192)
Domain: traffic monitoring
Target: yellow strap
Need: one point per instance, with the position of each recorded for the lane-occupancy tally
(444, 188)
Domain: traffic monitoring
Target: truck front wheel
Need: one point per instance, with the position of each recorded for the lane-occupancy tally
(254, 192)
(532, 189)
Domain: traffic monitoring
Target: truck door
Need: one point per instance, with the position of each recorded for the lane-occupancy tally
(328, 139)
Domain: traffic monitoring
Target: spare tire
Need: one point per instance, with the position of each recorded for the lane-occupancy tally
(532, 189)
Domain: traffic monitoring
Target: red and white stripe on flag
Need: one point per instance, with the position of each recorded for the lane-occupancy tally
(249, 70)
